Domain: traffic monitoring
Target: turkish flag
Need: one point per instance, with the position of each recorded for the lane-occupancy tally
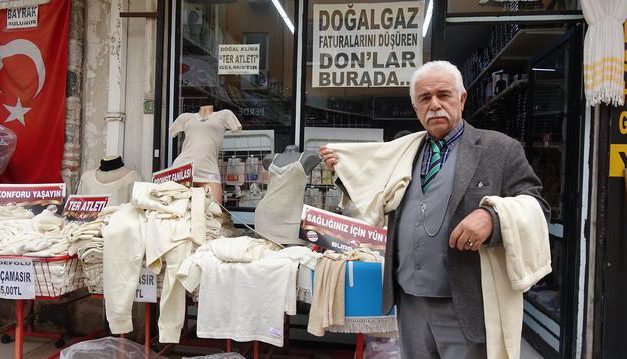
(33, 70)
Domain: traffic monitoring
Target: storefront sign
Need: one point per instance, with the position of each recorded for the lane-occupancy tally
(618, 130)
(17, 278)
(238, 59)
(33, 196)
(366, 45)
(22, 18)
(147, 288)
(337, 232)
(84, 208)
(182, 174)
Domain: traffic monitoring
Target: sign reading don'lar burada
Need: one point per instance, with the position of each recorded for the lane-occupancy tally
(366, 45)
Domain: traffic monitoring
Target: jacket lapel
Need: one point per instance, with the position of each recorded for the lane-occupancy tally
(468, 156)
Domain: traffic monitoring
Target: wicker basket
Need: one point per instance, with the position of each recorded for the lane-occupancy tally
(55, 276)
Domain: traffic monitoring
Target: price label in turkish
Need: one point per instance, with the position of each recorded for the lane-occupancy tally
(181, 174)
(147, 287)
(17, 278)
(84, 208)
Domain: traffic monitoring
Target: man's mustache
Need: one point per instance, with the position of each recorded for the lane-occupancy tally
(440, 113)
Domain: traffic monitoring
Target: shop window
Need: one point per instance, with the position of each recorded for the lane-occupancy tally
(359, 60)
(239, 55)
(456, 7)
(356, 75)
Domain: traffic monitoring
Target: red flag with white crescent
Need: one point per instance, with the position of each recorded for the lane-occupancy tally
(33, 70)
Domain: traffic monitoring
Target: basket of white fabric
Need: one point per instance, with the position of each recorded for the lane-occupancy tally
(55, 276)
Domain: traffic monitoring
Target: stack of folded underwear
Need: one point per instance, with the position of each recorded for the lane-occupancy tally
(86, 241)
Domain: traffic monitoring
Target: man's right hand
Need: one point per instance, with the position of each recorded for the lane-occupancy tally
(328, 156)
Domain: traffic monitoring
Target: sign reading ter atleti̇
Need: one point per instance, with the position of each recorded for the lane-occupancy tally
(366, 45)
(238, 59)
(84, 208)
(17, 278)
(182, 174)
(337, 232)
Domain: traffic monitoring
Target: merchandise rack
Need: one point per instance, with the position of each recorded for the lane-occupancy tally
(43, 291)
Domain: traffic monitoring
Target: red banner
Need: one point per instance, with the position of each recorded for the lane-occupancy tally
(340, 233)
(80, 208)
(33, 70)
(181, 174)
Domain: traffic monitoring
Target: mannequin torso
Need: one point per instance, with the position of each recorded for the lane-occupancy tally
(110, 178)
(205, 111)
(111, 169)
(309, 159)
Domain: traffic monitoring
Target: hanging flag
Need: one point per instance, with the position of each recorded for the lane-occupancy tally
(33, 70)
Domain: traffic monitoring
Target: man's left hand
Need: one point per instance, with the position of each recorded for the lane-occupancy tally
(472, 231)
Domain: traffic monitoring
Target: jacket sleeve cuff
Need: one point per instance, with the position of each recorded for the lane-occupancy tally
(495, 238)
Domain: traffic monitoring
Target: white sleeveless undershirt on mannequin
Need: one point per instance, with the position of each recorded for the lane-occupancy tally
(277, 216)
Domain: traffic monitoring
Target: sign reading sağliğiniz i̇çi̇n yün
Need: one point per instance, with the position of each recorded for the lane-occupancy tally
(366, 45)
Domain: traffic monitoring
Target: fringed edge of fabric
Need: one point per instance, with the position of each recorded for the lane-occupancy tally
(608, 97)
(366, 325)
(303, 295)
(11, 4)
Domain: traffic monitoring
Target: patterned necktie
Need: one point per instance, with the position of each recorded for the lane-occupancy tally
(435, 164)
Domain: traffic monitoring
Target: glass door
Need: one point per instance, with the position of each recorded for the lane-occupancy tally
(554, 147)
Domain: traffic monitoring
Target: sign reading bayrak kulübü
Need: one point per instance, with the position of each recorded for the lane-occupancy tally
(366, 45)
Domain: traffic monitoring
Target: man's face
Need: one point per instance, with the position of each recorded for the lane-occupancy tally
(438, 103)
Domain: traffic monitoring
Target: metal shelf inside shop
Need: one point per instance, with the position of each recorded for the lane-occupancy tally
(515, 54)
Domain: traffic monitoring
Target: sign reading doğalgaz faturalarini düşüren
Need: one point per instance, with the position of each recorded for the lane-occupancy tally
(366, 45)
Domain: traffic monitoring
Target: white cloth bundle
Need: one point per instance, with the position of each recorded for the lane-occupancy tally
(511, 269)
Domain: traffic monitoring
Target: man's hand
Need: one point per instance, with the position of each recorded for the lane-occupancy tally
(472, 231)
(328, 156)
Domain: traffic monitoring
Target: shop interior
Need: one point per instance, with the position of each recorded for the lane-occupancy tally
(522, 80)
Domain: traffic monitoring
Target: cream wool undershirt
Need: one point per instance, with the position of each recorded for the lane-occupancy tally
(376, 174)
(256, 286)
(119, 190)
(203, 141)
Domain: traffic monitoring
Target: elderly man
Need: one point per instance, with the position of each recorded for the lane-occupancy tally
(432, 270)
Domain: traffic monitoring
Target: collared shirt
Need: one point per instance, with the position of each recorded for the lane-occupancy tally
(450, 139)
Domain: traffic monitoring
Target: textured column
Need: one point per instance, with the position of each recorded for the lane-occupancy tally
(70, 166)
(116, 106)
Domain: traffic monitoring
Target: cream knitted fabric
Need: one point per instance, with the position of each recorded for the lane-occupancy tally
(376, 174)
(509, 270)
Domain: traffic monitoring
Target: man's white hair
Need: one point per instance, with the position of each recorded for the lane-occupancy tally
(436, 66)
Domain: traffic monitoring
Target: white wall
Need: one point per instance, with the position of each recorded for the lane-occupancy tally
(138, 85)
(95, 82)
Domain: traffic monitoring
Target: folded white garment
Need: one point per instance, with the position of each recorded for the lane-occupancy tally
(142, 198)
(240, 249)
(253, 296)
(12, 212)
